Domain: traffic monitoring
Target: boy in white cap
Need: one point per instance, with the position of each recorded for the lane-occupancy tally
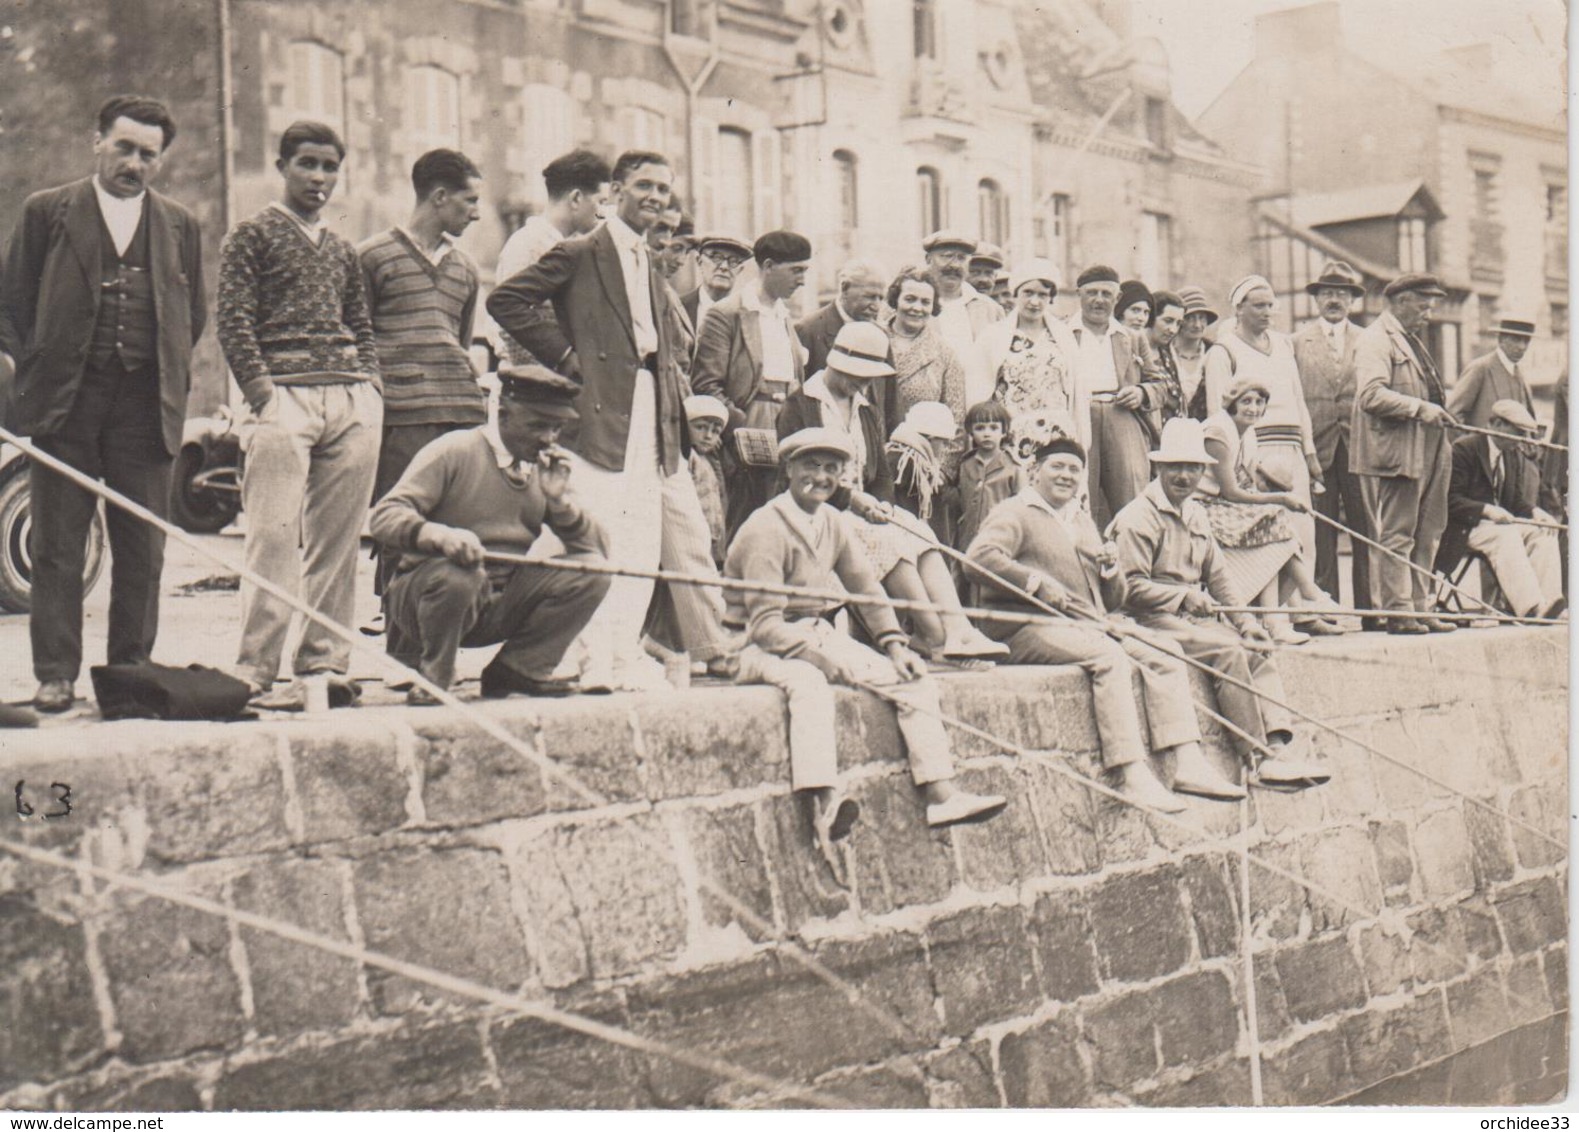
(705, 418)
(796, 539)
(1174, 579)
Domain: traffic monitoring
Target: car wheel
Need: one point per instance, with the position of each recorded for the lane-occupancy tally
(198, 509)
(16, 561)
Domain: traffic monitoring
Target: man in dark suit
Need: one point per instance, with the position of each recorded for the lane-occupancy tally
(101, 302)
(1324, 351)
(719, 259)
(860, 299)
(594, 309)
(1494, 484)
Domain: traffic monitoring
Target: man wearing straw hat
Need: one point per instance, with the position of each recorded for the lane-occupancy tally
(492, 490)
(1174, 578)
(1495, 376)
(1495, 483)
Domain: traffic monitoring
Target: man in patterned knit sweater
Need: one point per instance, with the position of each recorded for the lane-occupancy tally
(422, 293)
(294, 325)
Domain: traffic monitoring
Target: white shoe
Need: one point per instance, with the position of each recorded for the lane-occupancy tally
(638, 674)
(1143, 788)
(1288, 635)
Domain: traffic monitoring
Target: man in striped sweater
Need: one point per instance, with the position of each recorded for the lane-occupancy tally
(422, 293)
(294, 326)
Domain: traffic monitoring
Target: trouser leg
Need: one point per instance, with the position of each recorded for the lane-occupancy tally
(1218, 647)
(814, 760)
(1165, 688)
(61, 514)
(1112, 690)
(339, 481)
(1505, 546)
(1432, 520)
(137, 465)
(1329, 504)
(1393, 503)
(397, 448)
(537, 613)
(435, 605)
(1345, 484)
(1546, 561)
(916, 705)
(687, 548)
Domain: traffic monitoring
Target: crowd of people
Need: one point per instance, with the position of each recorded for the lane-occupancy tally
(1145, 471)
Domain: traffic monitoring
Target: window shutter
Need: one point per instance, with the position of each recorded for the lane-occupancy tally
(767, 173)
(704, 197)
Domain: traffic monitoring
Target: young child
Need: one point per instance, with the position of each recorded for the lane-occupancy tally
(921, 455)
(988, 474)
(705, 418)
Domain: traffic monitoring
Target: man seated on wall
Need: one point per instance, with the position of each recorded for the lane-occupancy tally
(483, 491)
(797, 539)
(1174, 579)
(1041, 541)
(1495, 483)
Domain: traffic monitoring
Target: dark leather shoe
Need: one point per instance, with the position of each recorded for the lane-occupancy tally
(54, 696)
(1406, 626)
(1373, 624)
(1437, 625)
(499, 680)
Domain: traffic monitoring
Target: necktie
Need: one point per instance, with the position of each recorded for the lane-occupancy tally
(1428, 367)
(1498, 475)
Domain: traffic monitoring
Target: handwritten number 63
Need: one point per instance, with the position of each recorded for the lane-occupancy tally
(62, 799)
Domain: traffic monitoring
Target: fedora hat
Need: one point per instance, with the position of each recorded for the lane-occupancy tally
(1183, 442)
(1336, 273)
(1521, 328)
(861, 350)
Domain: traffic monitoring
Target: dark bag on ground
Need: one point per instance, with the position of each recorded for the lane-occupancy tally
(158, 691)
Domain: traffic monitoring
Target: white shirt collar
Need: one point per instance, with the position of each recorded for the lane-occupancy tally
(751, 300)
(1077, 324)
(109, 202)
(1507, 363)
(446, 244)
(817, 388)
(626, 238)
(313, 231)
(838, 305)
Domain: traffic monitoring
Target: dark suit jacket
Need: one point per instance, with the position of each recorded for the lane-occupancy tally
(692, 302)
(1328, 383)
(817, 332)
(49, 299)
(728, 362)
(571, 311)
(1471, 489)
(1484, 382)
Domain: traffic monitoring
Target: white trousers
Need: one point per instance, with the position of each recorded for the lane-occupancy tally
(1526, 560)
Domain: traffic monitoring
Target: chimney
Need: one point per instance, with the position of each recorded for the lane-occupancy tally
(1315, 29)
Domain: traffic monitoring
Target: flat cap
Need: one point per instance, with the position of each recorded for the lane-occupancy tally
(815, 440)
(724, 243)
(987, 254)
(549, 393)
(1414, 281)
(1515, 414)
(948, 238)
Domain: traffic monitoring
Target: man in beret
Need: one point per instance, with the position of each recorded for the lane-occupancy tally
(1495, 376)
(963, 311)
(1401, 450)
(1324, 352)
(719, 260)
(797, 539)
(485, 490)
(1495, 482)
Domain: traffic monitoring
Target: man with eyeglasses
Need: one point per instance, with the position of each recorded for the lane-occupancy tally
(963, 311)
(720, 260)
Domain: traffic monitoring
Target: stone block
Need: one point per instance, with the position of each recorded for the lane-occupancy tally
(156, 1094)
(1272, 1017)
(347, 786)
(1542, 808)
(899, 861)
(1489, 847)
(1125, 834)
(469, 777)
(772, 1015)
(1064, 950)
(1007, 850)
(1352, 792)
(807, 889)
(961, 1077)
(106, 799)
(295, 987)
(895, 1084)
(1528, 1000)
(1534, 913)
(1339, 862)
(1066, 813)
(1222, 1085)
(1477, 924)
(1139, 925)
(1276, 903)
(694, 752)
(1041, 1067)
(1395, 864)
(600, 900)
(1313, 1070)
(1442, 849)
(729, 861)
(591, 741)
(1478, 1007)
(1040, 709)
(1214, 912)
(170, 979)
(1383, 1043)
(1400, 787)
(446, 909)
(982, 967)
(1122, 1038)
(1534, 728)
(1464, 755)
(1197, 1018)
(1386, 960)
(1554, 964)
(444, 1067)
(46, 996)
(866, 731)
(1320, 978)
(222, 799)
(1437, 946)
(545, 1066)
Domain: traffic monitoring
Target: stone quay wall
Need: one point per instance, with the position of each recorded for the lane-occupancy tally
(1073, 952)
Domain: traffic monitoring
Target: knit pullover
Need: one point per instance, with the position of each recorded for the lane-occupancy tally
(291, 313)
(422, 321)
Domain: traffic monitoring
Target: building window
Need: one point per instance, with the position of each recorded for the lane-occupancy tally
(993, 208)
(1157, 122)
(924, 19)
(317, 86)
(433, 108)
(689, 17)
(844, 172)
(1485, 167)
(929, 191)
(1559, 318)
(733, 184)
(1412, 244)
(641, 127)
(1156, 249)
(1486, 309)
(1556, 204)
(1059, 219)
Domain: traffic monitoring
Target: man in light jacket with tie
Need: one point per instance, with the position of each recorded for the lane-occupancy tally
(594, 309)
(1494, 377)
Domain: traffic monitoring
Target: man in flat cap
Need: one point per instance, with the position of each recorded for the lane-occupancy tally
(485, 490)
(1401, 450)
(1496, 482)
(719, 260)
(963, 311)
(985, 263)
(1324, 352)
(1495, 376)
